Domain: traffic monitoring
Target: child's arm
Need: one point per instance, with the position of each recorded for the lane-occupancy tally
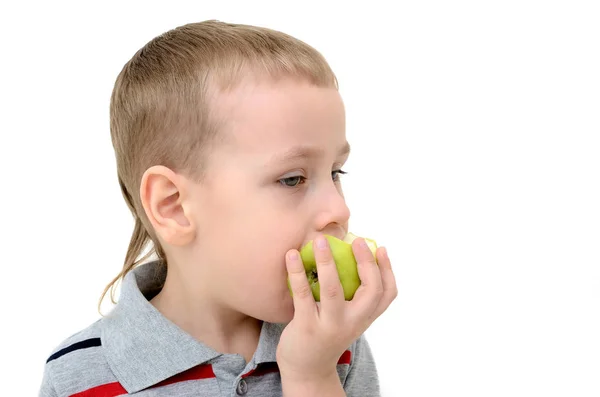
(329, 386)
(362, 379)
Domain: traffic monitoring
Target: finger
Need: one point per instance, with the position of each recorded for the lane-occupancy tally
(331, 291)
(304, 302)
(369, 293)
(390, 289)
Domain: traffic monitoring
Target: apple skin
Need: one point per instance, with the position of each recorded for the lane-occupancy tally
(345, 262)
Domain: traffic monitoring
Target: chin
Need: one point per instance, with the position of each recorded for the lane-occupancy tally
(284, 318)
(282, 314)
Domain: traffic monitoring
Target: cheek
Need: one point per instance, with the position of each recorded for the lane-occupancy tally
(265, 251)
(255, 225)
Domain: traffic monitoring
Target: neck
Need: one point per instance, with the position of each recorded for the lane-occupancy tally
(218, 327)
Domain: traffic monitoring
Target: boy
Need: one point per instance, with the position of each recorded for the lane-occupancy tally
(229, 141)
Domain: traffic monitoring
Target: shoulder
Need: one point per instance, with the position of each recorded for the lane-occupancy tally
(76, 363)
(86, 338)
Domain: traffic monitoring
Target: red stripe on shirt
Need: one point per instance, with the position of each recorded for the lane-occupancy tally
(115, 389)
(107, 390)
(195, 373)
(345, 358)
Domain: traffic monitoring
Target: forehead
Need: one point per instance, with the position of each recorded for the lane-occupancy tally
(265, 116)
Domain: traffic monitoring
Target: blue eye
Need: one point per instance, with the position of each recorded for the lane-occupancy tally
(292, 181)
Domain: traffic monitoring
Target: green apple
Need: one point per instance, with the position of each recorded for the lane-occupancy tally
(344, 261)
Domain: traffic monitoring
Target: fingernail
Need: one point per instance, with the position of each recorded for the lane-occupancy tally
(321, 243)
(384, 252)
(293, 256)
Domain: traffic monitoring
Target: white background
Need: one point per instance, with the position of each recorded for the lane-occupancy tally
(476, 160)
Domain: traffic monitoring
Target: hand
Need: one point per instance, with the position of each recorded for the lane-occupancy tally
(312, 343)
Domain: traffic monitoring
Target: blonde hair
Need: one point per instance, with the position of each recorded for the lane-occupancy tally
(160, 105)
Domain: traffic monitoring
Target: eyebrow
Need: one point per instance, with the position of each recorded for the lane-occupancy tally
(305, 152)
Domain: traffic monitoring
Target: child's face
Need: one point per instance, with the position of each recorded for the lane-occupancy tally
(272, 185)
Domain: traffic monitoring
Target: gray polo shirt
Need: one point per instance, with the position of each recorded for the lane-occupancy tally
(136, 350)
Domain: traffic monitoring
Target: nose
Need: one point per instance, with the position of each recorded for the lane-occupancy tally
(333, 213)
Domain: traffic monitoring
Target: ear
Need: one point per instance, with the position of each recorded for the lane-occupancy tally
(163, 194)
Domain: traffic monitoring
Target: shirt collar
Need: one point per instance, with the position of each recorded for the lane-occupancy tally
(144, 348)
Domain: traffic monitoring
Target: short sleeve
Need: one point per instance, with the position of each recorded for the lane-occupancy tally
(47, 388)
(362, 379)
